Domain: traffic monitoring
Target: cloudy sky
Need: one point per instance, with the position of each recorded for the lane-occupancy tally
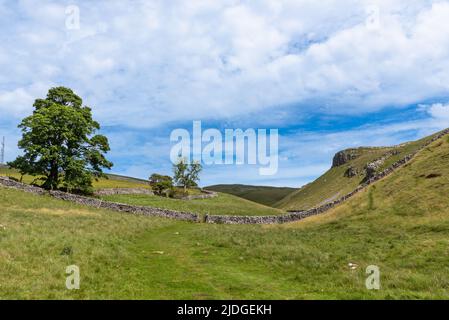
(328, 74)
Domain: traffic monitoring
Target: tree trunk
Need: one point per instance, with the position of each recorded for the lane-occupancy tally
(52, 180)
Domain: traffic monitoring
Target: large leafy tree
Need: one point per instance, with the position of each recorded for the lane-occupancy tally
(60, 144)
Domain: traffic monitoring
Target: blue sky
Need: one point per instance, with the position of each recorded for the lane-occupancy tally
(328, 74)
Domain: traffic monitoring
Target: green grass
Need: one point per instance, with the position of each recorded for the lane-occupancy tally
(113, 181)
(261, 194)
(333, 184)
(223, 204)
(401, 225)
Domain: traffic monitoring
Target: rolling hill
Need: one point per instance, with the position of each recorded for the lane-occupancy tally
(261, 194)
(349, 169)
(112, 181)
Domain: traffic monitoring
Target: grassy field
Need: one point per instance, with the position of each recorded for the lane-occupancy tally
(400, 224)
(224, 204)
(267, 196)
(333, 184)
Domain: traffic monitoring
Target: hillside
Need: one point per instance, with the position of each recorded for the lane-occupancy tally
(261, 194)
(112, 180)
(400, 224)
(349, 169)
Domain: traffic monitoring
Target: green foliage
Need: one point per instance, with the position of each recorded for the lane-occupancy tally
(186, 175)
(60, 144)
(161, 184)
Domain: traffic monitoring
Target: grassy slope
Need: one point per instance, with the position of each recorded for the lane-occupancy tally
(400, 224)
(113, 181)
(224, 204)
(261, 194)
(333, 184)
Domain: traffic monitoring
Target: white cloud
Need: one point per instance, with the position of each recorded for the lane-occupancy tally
(217, 59)
(438, 111)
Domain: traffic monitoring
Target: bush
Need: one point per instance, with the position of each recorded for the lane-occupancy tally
(161, 185)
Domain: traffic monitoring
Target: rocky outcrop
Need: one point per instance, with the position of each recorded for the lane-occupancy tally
(342, 157)
(372, 167)
(351, 172)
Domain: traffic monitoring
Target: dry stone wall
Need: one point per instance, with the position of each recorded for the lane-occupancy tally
(115, 191)
(205, 194)
(97, 203)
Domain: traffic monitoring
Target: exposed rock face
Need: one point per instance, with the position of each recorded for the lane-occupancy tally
(351, 172)
(372, 167)
(343, 157)
(370, 170)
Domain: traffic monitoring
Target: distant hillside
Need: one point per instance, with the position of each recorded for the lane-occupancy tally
(112, 181)
(261, 194)
(349, 168)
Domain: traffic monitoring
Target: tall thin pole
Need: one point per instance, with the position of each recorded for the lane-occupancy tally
(2, 153)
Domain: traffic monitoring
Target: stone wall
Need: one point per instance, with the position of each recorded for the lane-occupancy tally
(114, 191)
(97, 203)
(205, 194)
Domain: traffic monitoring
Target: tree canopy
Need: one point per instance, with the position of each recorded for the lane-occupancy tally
(185, 174)
(59, 142)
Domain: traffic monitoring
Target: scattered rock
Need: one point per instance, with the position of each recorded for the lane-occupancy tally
(351, 172)
(158, 252)
(352, 266)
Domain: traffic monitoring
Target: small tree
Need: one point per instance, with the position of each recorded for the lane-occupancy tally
(161, 184)
(194, 174)
(186, 175)
(59, 142)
